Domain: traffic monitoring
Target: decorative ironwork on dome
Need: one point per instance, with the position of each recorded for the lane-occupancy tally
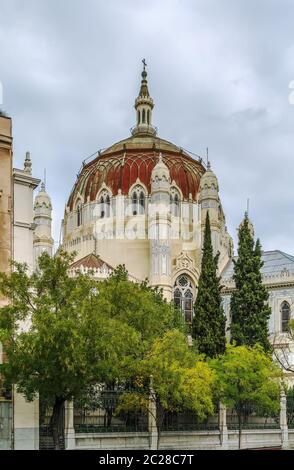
(120, 170)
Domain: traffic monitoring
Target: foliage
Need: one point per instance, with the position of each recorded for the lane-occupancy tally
(209, 323)
(180, 380)
(246, 376)
(249, 308)
(63, 334)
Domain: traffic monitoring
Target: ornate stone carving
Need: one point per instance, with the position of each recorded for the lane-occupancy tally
(184, 262)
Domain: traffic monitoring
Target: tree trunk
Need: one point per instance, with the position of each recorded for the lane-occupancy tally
(55, 421)
(240, 427)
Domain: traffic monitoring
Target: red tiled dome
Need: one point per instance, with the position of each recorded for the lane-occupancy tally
(121, 165)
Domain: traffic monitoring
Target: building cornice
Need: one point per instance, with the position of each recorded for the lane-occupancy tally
(283, 280)
(21, 177)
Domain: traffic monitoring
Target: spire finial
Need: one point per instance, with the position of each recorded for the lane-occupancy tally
(28, 163)
(144, 64)
(43, 184)
(207, 160)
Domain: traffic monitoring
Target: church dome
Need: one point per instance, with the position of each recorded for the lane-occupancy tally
(132, 160)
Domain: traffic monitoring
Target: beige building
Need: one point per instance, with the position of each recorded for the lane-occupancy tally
(19, 420)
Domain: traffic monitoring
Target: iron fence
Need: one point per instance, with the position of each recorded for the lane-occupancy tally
(253, 417)
(290, 412)
(105, 416)
(187, 421)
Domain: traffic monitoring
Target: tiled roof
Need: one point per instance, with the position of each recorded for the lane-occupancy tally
(90, 261)
(274, 263)
(120, 166)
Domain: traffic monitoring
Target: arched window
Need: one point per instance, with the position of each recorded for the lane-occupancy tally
(183, 296)
(104, 204)
(138, 117)
(138, 200)
(107, 205)
(175, 202)
(285, 316)
(148, 117)
(143, 116)
(79, 214)
(135, 203)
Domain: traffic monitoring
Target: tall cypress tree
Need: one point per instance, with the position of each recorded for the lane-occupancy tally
(209, 323)
(249, 309)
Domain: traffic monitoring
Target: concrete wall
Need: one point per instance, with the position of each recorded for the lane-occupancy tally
(197, 440)
(26, 423)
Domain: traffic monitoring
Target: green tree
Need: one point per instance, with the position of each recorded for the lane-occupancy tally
(249, 309)
(138, 306)
(78, 333)
(57, 346)
(209, 323)
(246, 377)
(181, 380)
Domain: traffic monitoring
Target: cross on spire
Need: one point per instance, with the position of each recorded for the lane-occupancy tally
(144, 64)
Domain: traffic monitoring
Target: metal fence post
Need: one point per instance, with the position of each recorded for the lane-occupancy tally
(152, 428)
(69, 430)
(222, 420)
(283, 421)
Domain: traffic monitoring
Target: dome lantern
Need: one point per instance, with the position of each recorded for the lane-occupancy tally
(144, 106)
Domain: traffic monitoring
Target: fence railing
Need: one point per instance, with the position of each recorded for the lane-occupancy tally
(290, 412)
(253, 417)
(187, 421)
(105, 416)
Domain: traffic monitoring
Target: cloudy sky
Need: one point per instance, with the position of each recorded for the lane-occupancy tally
(219, 72)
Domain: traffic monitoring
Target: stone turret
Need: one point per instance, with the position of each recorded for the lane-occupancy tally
(210, 201)
(43, 240)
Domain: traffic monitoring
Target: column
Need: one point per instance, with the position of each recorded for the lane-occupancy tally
(152, 428)
(69, 430)
(222, 420)
(283, 421)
